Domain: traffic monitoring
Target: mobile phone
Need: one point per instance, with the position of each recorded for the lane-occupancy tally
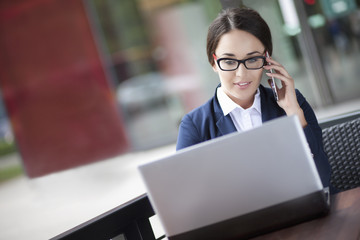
(273, 83)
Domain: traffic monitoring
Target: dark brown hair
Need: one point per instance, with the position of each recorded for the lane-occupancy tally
(245, 19)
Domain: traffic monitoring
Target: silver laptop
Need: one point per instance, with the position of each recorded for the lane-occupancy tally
(237, 186)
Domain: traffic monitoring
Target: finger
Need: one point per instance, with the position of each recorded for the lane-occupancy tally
(279, 69)
(272, 64)
(272, 61)
(280, 76)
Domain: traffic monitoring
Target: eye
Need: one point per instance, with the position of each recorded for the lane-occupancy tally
(230, 62)
(253, 60)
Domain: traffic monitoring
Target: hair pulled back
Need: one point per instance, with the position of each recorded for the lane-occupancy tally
(245, 19)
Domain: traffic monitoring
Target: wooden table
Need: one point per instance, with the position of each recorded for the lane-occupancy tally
(343, 222)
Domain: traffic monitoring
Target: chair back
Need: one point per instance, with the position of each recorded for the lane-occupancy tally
(128, 221)
(342, 145)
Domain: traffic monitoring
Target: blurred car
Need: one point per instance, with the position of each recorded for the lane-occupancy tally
(152, 110)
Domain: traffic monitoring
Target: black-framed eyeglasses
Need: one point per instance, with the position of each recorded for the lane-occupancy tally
(231, 64)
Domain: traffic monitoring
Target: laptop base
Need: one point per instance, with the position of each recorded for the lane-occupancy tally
(263, 221)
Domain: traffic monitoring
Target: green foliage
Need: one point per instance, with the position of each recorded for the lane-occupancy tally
(10, 172)
(7, 147)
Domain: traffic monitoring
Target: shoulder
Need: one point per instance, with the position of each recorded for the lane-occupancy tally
(207, 110)
(300, 97)
(197, 126)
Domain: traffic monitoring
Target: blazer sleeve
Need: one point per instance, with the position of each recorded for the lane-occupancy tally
(188, 133)
(313, 135)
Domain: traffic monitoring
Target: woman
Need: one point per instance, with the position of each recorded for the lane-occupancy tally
(237, 42)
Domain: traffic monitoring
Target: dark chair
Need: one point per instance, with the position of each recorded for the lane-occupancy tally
(341, 138)
(129, 221)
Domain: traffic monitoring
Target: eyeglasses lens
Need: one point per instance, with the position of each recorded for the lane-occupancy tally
(254, 63)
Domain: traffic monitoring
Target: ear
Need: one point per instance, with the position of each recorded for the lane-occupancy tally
(214, 67)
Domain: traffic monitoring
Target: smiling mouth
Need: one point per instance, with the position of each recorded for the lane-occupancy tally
(243, 84)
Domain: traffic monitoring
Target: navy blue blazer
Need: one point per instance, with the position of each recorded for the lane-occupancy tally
(208, 121)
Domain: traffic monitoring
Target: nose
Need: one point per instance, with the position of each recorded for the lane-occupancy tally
(241, 70)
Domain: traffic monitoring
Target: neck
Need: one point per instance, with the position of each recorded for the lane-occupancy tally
(246, 103)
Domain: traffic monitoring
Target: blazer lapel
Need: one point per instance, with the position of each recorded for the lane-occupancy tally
(225, 125)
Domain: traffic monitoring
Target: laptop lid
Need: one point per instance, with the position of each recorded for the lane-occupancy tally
(231, 176)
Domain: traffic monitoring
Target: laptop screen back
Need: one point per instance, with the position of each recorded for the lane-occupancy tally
(231, 176)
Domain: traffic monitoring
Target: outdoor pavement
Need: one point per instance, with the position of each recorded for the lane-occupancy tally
(47, 206)
(44, 207)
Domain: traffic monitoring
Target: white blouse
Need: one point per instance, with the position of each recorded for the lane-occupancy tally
(243, 119)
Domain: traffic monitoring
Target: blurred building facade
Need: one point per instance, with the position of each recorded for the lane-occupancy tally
(153, 58)
(61, 107)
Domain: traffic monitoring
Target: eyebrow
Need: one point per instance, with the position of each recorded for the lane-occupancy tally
(248, 54)
(228, 54)
(254, 52)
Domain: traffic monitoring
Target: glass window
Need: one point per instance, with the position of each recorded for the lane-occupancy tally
(157, 59)
(336, 28)
(286, 48)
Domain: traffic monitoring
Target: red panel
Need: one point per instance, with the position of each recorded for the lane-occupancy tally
(62, 109)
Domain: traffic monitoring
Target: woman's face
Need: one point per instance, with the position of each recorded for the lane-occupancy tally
(241, 84)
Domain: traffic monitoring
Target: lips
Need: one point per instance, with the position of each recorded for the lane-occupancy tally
(243, 85)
